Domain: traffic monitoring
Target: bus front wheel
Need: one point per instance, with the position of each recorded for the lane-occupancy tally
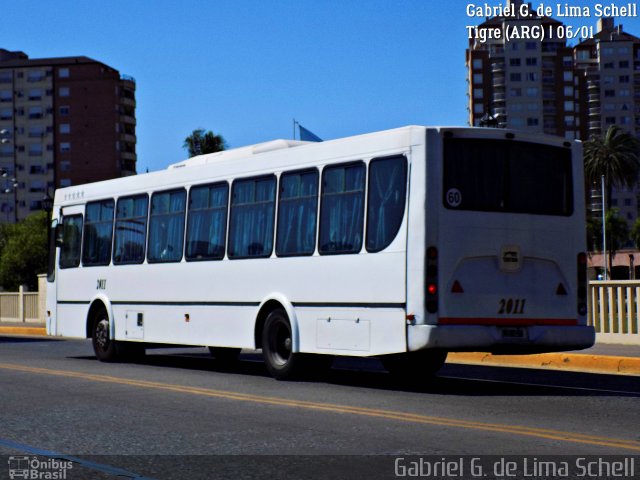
(277, 347)
(103, 346)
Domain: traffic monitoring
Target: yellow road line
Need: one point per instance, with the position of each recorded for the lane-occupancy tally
(343, 409)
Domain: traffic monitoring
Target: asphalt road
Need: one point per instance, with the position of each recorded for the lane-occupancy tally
(180, 414)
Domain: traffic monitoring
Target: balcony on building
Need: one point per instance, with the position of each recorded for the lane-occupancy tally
(498, 80)
(497, 67)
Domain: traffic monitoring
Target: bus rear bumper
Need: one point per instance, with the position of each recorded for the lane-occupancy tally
(497, 339)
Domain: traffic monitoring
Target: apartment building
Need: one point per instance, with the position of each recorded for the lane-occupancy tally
(63, 121)
(524, 83)
(608, 69)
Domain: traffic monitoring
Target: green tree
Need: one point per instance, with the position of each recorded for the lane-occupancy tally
(201, 142)
(635, 233)
(614, 155)
(617, 233)
(24, 253)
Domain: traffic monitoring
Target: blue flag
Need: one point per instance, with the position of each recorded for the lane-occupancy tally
(308, 136)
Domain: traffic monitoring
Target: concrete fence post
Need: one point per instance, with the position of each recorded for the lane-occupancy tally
(21, 318)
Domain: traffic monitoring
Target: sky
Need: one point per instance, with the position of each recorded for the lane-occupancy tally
(246, 68)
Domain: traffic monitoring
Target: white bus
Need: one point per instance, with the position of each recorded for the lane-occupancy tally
(404, 244)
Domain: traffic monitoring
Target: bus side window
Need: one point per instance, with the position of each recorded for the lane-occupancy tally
(252, 217)
(342, 209)
(386, 201)
(98, 231)
(166, 226)
(131, 229)
(297, 213)
(71, 241)
(207, 222)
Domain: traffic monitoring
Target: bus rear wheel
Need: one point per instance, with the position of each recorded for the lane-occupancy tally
(277, 347)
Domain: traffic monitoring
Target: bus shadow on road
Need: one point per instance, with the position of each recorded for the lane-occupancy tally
(453, 379)
(15, 339)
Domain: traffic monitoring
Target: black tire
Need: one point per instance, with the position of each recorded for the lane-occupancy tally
(104, 347)
(277, 347)
(415, 365)
(226, 356)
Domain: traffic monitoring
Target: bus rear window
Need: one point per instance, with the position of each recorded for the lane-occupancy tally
(493, 175)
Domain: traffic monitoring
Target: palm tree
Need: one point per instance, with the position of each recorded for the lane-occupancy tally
(201, 142)
(614, 155)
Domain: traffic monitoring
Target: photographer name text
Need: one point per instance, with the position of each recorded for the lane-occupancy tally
(541, 31)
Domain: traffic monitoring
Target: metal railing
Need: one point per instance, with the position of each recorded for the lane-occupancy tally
(614, 311)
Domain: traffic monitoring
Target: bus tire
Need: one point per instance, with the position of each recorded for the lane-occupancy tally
(105, 348)
(277, 347)
(415, 365)
(225, 355)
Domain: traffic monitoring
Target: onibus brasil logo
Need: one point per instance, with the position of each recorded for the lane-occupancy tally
(35, 469)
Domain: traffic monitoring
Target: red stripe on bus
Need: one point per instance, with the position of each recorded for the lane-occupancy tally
(515, 322)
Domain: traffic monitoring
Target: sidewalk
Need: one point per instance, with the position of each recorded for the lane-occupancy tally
(601, 358)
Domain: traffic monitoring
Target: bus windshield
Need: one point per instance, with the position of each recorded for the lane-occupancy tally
(495, 175)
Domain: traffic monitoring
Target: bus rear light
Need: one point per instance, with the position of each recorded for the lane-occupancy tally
(456, 287)
(561, 290)
(431, 279)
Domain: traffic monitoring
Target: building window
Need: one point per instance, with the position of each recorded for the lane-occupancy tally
(478, 108)
(623, 64)
(531, 45)
(64, 91)
(35, 112)
(569, 120)
(477, 63)
(65, 165)
(625, 120)
(532, 61)
(532, 92)
(65, 128)
(65, 110)
(568, 106)
(35, 149)
(532, 122)
(532, 107)
(624, 92)
(65, 182)
(35, 76)
(515, 92)
(624, 79)
(515, 77)
(65, 147)
(610, 120)
(609, 65)
(478, 93)
(6, 96)
(477, 78)
(627, 202)
(532, 76)
(6, 114)
(568, 76)
(609, 93)
(568, 91)
(63, 73)
(514, 62)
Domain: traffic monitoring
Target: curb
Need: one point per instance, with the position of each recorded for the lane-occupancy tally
(569, 362)
(42, 331)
